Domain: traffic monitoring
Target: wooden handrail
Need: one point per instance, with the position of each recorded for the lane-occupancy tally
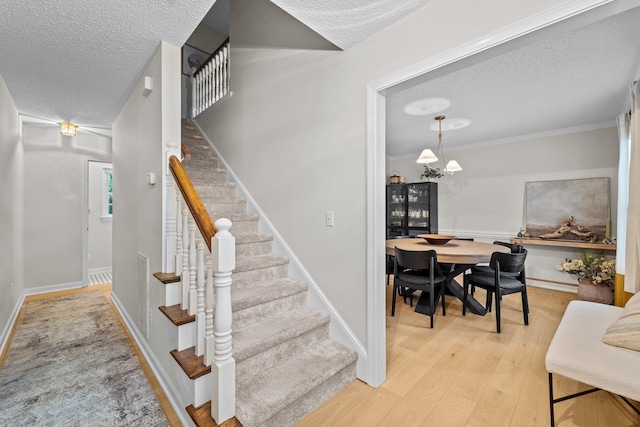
(193, 201)
(204, 64)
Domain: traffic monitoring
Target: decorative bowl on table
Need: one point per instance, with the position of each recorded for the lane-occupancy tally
(436, 239)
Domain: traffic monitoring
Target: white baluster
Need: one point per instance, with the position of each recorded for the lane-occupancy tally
(209, 343)
(184, 279)
(178, 233)
(218, 63)
(200, 315)
(224, 366)
(211, 88)
(205, 88)
(200, 84)
(193, 293)
(194, 95)
(226, 68)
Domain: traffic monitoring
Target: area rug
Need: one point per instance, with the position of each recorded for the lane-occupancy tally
(70, 364)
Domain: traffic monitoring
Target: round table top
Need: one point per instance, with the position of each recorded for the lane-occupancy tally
(454, 251)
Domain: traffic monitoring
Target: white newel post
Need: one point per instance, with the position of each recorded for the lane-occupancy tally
(209, 342)
(223, 368)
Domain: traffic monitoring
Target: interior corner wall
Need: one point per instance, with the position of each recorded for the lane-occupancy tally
(294, 130)
(11, 285)
(487, 198)
(143, 128)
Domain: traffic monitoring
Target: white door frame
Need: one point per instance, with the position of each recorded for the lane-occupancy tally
(85, 215)
(376, 308)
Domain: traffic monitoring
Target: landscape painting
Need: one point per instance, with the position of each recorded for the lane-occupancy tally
(575, 209)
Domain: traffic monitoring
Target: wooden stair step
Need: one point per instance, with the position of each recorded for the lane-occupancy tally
(191, 364)
(166, 278)
(177, 315)
(201, 416)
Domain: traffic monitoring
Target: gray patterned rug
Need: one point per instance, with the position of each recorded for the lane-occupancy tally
(70, 364)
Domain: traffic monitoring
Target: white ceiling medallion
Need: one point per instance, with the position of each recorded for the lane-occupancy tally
(452, 124)
(427, 106)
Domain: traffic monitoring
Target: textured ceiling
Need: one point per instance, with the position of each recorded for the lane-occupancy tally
(579, 78)
(347, 22)
(78, 60)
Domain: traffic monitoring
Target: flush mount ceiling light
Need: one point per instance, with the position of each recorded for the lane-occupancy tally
(427, 106)
(427, 157)
(68, 129)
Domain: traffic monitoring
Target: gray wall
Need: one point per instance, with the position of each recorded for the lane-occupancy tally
(11, 284)
(141, 132)
(295, 129)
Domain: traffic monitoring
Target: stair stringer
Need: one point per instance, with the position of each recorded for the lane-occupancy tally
(338, 329)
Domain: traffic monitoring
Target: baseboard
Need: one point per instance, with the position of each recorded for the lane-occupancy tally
(338, 329)
(6, 332)
(52, 288)
(165, 383)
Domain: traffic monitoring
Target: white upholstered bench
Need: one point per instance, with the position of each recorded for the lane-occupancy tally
(577, 352)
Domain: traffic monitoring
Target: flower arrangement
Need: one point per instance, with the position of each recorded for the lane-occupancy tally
(591, 266)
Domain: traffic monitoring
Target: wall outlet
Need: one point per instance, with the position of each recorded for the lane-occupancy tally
(329, 219)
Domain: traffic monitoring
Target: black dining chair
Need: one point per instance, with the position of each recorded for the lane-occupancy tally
(418, 271)
(507, 276)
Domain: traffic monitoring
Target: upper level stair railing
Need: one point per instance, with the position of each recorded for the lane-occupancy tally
(210, 81)
(200, 273)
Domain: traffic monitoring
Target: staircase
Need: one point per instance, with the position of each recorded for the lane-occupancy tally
(286, 364)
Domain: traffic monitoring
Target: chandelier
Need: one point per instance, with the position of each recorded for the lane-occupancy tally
(427, 157)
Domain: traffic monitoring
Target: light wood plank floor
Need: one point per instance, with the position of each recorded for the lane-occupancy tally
(462, 373)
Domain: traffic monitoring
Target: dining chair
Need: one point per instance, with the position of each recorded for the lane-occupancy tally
(513, 247)
(418, 271)
(507, 276)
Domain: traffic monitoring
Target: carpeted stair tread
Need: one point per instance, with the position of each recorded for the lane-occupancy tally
(272, 331)
(261, 293)
(253, 238)
(269, 391)
(257, 262)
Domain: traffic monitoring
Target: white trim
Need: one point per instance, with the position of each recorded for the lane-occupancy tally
(338, 329)
(52, 288)
(104, 205)
(163, 379)
(100, 270)
(85, 215)
(376, 143)
(4, 338)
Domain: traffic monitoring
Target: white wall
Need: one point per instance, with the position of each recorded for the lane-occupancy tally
(141, 132)
(99, 234)
(486, 198)
(295, 129)
(11, 284)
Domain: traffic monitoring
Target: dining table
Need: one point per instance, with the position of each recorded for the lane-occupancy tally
(460, 255)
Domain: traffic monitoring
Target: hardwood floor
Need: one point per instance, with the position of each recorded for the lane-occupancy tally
(462, 373)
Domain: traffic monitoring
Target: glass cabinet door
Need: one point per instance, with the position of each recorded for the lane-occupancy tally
(396, 210)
